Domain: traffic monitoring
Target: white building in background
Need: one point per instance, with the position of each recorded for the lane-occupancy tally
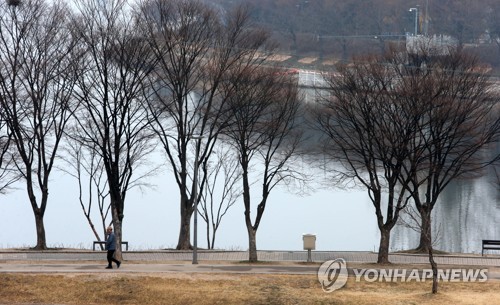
(432, 45)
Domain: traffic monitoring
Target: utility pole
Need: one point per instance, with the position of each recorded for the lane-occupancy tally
(426, 22)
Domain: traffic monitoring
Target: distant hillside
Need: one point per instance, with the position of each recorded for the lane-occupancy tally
(340, 29)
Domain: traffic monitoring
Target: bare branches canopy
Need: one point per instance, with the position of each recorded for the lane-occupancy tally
(406, 124)
(36, 83)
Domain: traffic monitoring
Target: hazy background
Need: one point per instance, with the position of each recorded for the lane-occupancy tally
(342, 220)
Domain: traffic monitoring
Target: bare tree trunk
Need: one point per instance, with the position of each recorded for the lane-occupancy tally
(41, 242)
(434, 271)
(209, 243)
(212, 245)
(252, 245)
(425, 243)
(215, 227)
(38, 212)
(117, 224)
(97, 236)
(383, 249)
(184, 242)
(118, 233)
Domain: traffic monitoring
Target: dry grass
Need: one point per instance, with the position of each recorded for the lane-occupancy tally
(203, 288)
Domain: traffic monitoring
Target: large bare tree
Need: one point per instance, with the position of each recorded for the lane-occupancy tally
(367, 132)
(406, 125)
(460, 124)
(262, 127)
(195, 47)
(458, 129)
(36, 82)
(112, 121)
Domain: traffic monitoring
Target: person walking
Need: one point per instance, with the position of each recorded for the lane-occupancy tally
(111, 247)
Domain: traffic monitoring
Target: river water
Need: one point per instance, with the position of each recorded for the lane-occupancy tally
(468, 210)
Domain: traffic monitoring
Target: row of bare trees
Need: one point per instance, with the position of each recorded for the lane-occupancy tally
(210, 85)
(405, 131)
(116, 82)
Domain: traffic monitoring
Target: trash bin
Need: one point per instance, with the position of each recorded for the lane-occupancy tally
(309, 241)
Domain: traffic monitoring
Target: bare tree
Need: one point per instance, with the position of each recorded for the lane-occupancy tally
(367, 132)
(221, 190)
(410, 219)
(113, 121)
(195, 48)
(418, 125)
(414, 222)
(262, 116)
(449, 118)
(36, 82)
(460, 120)
(86, 166)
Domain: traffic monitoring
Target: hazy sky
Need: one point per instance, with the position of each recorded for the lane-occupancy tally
(342, 220)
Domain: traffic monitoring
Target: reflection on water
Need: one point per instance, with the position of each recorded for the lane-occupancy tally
(468, 212)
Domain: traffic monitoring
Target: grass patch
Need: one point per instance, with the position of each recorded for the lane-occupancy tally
(205, 288)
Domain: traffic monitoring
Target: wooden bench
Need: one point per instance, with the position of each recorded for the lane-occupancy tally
(104, 243)
(489, 244)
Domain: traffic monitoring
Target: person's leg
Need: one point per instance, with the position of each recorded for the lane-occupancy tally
(110, 258)
(117, 262)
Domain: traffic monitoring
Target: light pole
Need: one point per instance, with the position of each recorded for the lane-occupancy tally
(194, 196)
(426, 22)
(415, 9)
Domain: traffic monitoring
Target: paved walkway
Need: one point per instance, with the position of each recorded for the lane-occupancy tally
(126, 267)
(232, 256)
(165, 262)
